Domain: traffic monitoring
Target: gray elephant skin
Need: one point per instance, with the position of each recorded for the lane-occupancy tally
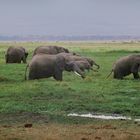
(83, 65)
(44, 66)
(125, 66)
(16, 55)
(85, 61)
(50, 50)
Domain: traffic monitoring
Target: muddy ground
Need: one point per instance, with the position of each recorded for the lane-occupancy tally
(39, 127)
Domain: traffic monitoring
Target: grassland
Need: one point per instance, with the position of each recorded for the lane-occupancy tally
(93, 94)
(33, 100)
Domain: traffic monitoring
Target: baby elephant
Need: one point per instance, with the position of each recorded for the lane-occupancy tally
(16, 55)
(83, 65)
(125, 66)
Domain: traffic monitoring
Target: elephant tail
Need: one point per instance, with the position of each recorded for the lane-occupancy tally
(109, 74)
(97, 66)
(6, 58)
(26, 71)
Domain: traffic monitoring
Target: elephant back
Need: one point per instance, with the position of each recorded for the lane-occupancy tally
(49, 50)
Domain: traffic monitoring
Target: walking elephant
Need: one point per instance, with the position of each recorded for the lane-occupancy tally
(125, 66)
(44, 66)
(16, 55)
(50, 50)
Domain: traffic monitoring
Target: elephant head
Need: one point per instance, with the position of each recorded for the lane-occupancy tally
(72, 66)
(25, 54)
(63, 64)
(61, 49)
(91, 62)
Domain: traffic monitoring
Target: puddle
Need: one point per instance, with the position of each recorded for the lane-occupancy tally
(104, 117)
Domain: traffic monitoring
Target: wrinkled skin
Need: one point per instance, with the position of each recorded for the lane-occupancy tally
(127, 65)
(50, 50)
(44, 66)
(16, 55)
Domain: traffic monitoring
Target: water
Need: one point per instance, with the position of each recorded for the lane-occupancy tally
(103, 117)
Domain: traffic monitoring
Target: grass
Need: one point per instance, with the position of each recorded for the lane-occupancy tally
(93, 94)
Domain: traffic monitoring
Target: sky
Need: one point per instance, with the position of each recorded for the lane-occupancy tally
(70, 17)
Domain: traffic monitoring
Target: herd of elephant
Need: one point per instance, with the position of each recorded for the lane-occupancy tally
(51, 61)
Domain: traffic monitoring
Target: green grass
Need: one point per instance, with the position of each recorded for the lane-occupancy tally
(93, 94)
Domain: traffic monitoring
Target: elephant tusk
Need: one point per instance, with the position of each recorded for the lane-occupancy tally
(77, 73)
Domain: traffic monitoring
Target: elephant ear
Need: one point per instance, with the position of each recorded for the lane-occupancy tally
(59, 67)
(69, 66)
(60, 63)
(66, 50)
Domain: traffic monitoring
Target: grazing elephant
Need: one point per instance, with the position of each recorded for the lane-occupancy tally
(83, 65)
(71, 57)
(125, 66)
(50, 50)
(16, 55)
(44, 66)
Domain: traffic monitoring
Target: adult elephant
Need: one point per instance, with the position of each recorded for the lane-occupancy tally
(16, 55)
(44, 66)
(125, 66)
(70, 57)
(50, 50)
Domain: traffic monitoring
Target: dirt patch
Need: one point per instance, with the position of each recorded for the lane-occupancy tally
(53, 131)
(34, 126)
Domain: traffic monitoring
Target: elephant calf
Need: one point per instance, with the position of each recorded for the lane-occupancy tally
(83, 65)
(70, 57)
(16, 55)
(125, 66)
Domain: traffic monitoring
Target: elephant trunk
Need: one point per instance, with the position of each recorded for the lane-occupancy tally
(94, 70)
(97, 65)
(77, 71)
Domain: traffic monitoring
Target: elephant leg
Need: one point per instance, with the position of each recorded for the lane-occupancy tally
(136, 75)
(58, 75)
(117, 76)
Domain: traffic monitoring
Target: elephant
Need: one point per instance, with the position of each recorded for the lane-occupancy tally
(125, 66)
(83, 65)
(16, 55)
(71, 57)
(45, 66)
(50, 50)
